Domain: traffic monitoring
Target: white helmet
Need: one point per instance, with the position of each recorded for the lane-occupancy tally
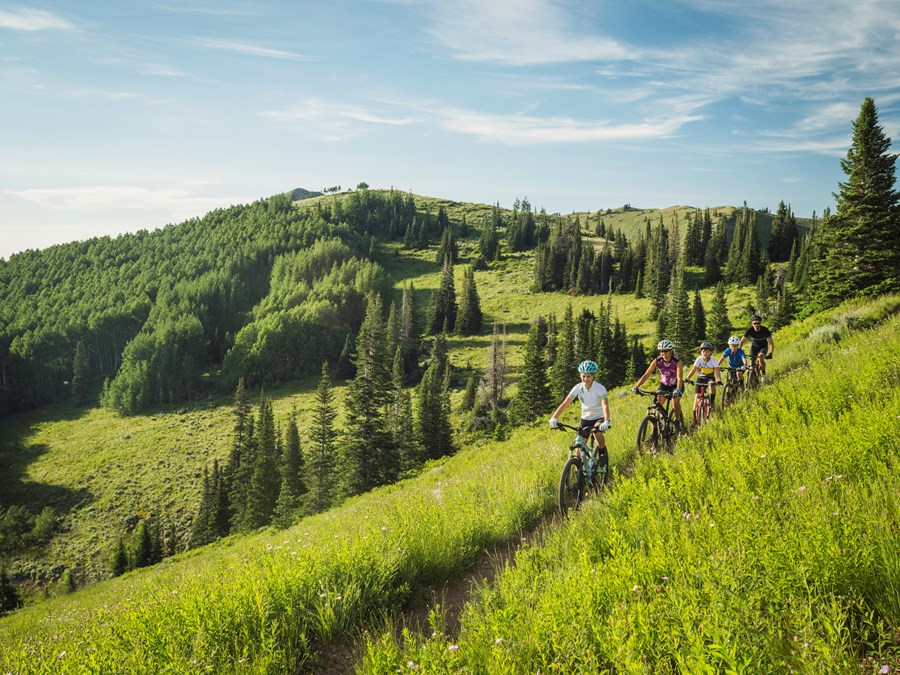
(734, 341)
(665, 345)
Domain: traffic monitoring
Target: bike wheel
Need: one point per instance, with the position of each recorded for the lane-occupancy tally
(728, 395)
(571, 485)
(752, 380)
(648, 436)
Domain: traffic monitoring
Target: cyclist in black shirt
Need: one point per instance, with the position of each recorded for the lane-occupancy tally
(762, 346)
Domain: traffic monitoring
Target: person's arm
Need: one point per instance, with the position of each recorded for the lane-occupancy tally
(647, 374)
(743, 338)
(723, 357)
(679, 376)
(566, 402)
(771, 345)
(691, 373)
(605, 404)
(718, 374)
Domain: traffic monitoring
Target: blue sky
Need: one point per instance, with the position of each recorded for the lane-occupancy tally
(124, 115)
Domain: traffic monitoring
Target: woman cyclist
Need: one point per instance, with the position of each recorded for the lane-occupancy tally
(671, 379)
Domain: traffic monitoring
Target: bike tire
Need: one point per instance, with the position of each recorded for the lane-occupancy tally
(571, 486)
(648, 436)
(728, 395)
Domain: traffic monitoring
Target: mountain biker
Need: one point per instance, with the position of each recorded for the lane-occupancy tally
(671, 379)
(708, 367)
(762, 346)
(594, 406)
(736, 356)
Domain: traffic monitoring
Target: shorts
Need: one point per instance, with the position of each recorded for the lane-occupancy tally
(705, 381)
(667, 388)
(585, 426)
(754, 351)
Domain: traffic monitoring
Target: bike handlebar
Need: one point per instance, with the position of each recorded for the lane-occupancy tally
(665, 394)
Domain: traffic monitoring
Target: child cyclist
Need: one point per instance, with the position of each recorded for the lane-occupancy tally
(671, 379)
(736, 356)
(594, 406)
(708, 367)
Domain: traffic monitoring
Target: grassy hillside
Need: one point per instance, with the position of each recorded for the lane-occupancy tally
(263, 603)
(102, 472)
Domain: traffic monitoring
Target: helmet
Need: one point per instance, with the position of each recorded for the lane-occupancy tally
(734, 341)
(755, 317)
(706, 345)
(665, 345)
(587, 367)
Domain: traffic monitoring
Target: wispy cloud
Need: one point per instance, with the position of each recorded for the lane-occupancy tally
(333, 121)
(178, 201)
(246, 49)
(32, 20)
(518, 33)
(530, 130)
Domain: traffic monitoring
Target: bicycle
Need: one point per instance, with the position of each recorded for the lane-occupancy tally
(659, 428)
(732, 387)
(586, 468)
(702, 406)
(752, 378)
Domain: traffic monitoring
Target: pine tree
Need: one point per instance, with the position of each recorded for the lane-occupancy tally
(370, 457)
(292, 459)
(533, 395)
(432, 416)
(402, 430)
(698, 318)
(265, 479)
(494, 383)
(679, 321)
(566, 364)
(410, 331)
(860, 243)
(81, 374)
(469, 318)
(443, 304)
(719, 325)
(119, 564)
(201, 532)
(285, 512)
(320, 461)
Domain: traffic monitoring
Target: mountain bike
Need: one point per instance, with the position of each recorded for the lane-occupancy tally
(732, 387)
(752, 377)
(586, 468)
(702, 406)
(659, 428)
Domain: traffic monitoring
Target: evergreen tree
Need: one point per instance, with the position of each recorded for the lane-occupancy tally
(285, 512)
(319, 463)
(9, 595)
(119, 563)
(432, 417)
(265, 479)
(448, 251)
(201, 532)
(698, 318)
(469, 318)
(402, 430)
(533, 395)
(345, 367)
(679, 320)
(860, 243)
(443, 305)
(292, 459)
(410, 331)
(370, 458)
(565, 366)
(81, 375)
(719, 325)
(494, 387)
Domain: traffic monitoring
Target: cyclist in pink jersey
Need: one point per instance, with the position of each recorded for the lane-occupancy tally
(671, 378)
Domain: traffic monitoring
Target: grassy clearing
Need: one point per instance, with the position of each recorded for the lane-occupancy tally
(766, 543)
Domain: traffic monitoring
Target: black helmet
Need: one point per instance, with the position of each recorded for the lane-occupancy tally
(756, 317)
(706, 345)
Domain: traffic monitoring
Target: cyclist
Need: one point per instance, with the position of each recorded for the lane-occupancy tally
(708, 367)
(736, 356)
(594, 406)
(671, 371)
(762, 346)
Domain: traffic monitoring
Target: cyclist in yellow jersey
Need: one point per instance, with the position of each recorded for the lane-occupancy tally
(708, 367)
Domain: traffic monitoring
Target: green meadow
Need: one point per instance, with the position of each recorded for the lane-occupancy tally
(766, 543)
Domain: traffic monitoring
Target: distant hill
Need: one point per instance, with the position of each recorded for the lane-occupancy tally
(302, 193)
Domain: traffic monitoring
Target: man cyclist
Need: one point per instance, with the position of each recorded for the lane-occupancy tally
(594, 407)
(736, 356)
(671, 371)
(762, 346)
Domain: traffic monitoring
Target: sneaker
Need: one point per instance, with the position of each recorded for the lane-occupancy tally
(762, 378)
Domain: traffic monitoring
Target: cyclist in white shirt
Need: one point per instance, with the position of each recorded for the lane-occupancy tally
(708, 367)
(594, 405)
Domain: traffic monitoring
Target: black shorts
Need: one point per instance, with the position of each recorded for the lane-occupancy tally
(755, 351)
(705, 381)
(667, 388)
(586, 426)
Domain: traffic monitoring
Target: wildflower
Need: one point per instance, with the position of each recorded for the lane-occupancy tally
(802, 489)
(498, 641)
(60, 655)
(412, 665)
(635, 588)
(452, 648)
(884, 670)
(665, 578)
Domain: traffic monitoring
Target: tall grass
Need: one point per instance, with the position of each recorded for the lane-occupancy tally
(766, 543)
